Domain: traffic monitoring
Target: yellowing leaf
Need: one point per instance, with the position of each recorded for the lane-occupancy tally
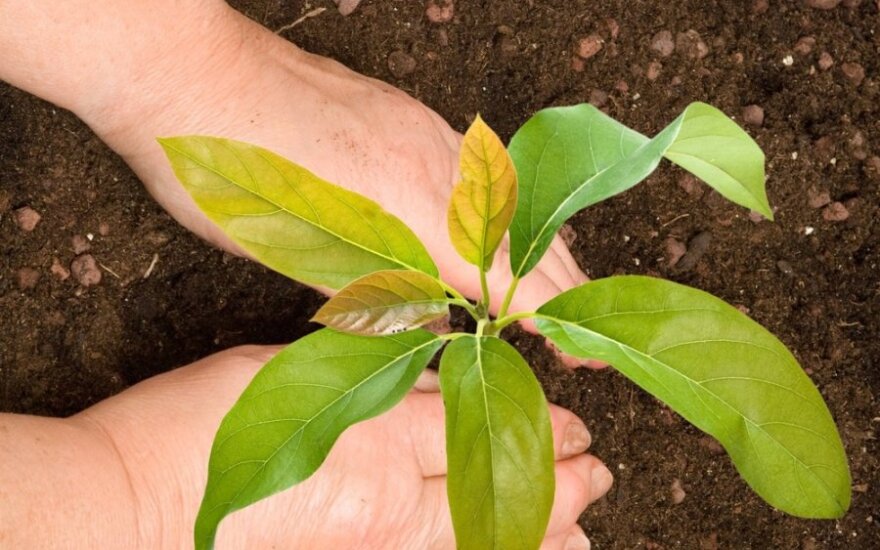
(484, 201)
(288, 218)
(385, 302)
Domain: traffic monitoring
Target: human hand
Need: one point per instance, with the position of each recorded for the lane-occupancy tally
(382, 486)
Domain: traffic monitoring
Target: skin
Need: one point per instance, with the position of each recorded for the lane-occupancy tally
(137, 69)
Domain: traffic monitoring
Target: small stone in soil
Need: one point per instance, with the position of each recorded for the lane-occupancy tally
(822, 4)
(854, 72)
(818, 199)
(85, 270)
(613, 28)
(577, 64)
(825, 61)
(5, 201)
(753, 115)
(58, 270)
(80, 244)
(27, 218)
(756, 217)
(662, 43)
(861, 487)
(104, 229)
(676, 492)
(589, 46)
(653, 70)
(440, 11)
(785, 267)
(805, 45)
(711, 444)
(598, 98)
(28, 278)
(675, 249)
(691, 45)
(401, 63)
(696, 249)
(835, 212)
(760, 7)
(690, 185)
(346, 7)
(872, 165)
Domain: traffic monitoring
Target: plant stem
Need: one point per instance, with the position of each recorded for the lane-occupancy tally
(508, 297)
(467, 306)
(502, 322)
(484, 284)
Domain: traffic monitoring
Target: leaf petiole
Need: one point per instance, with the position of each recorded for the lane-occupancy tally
(508, 298)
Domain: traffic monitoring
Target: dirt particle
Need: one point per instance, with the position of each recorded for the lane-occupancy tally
(818, 199)
(711, 444)
(440, 11)
(822, 4)
(401, 63)
(5, 201)
(756, 217)
(27, 218)
(662, 43)
(676, 492)
(104, 229)
(760, 7)
(753, 115)
(568, 234)
(691, 186)
(696, 249)
(691, 45)
(653, 71)
(709, 542)
(58, 270)
(861, 487)
(825, 61)
(622, 87)
(853, 72)
(589, 46)
(835, 212)
(598, 98)
(785, 268)
(805, 45)
(809, 543)
(577, 64)
(80, 244)
(872, 165)
(85, 270)
(613, 28)
(28, 278)
(675, 249)
(347, 7)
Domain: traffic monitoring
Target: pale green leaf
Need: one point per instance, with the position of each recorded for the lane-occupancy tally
(483, 203)
(499, 446)
(385, 302)
(569, 158)
(282, 427)
(721, 371)
(288, 218)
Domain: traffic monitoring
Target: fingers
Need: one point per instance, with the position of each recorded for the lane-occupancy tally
(428, 382)
(570, 436)
(580, 481)
(573, 539)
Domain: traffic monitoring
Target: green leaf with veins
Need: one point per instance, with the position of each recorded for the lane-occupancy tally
(568, 158)
(721, 371)
(290, 219)
(282, 427)
(499, 446)
(385, 302)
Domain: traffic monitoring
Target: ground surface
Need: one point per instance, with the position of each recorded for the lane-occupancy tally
(811, 277)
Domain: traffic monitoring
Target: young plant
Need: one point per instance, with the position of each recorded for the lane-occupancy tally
(707, 361)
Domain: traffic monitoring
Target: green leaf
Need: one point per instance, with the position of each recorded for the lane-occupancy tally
(483, 203)
(569, 158)
(499, 445)
(282, 427)
(721, 371)
(385, 302)
(288, 218)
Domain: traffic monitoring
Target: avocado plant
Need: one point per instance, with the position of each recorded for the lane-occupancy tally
(706, 360)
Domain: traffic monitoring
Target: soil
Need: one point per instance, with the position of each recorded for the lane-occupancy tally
(811, 277)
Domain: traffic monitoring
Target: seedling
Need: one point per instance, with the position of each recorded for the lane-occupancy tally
(707, 361)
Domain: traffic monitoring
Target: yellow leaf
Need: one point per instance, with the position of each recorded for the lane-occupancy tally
(484, 201)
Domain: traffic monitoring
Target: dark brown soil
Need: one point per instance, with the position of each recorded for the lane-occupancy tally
(64, 347)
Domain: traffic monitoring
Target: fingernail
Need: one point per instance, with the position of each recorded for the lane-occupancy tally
(576, 439)
(578, 541)
(600, 480)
